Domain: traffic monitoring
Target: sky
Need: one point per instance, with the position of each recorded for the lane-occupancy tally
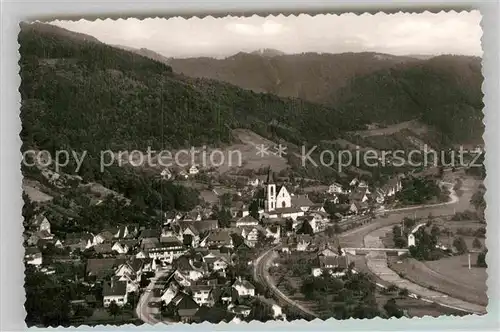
(398, 34)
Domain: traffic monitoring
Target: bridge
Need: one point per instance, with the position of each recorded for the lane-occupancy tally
(365, 250)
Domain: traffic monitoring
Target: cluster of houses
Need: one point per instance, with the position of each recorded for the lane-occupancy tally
(360, 198)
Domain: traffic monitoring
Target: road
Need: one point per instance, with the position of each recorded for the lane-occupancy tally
(143, 310)
(355, 237)
(261, 275)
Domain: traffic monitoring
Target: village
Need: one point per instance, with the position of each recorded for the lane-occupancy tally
(208, 265)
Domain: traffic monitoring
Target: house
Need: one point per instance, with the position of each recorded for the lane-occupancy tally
(206, 225)
(170, 293)
(335, 188)
(79, 241)
(41, 223)
(302, 202)
(33, 256)
(38, 236)
(392, 187)
(201, 294)
(246, 221)
(335, 265)
(358, 207)
(354, 182)
(411, 236)
(166, 174)
(193, 170)
(114, 291)
(240, 310)
(103, 248)
(244, 287)
(100, 268)
(360, 194)
(104, 236)
(251, 235)
(185, 306)
(284, 213)
(254, 182)
(185, 267)
(303, 242)
(168, 250)
(219, 239)
(380, 196)
(328, 252)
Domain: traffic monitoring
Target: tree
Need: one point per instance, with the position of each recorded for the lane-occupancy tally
(187, 239)
(460, 244)
(253, 209)
(403, 292)
(306, 228)
(435, 231)
(481, 259)
(329, 231)
(477, 243)
(113, 309)
(392, 309)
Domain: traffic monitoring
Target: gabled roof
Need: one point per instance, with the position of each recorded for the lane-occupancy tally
(243, 283)
(97, 265)
(301, 200)
(335, 261)
(221, 236)
(103, 248)
(31, 251)
(38, 219)
(106, 235)
(150, 233)
(114, 288)
(182, 301)
(206, 225)
(247, 220)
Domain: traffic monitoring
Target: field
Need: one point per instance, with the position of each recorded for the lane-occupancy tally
(32, 189)
(413, 125)
(448, 275)
(413, 307)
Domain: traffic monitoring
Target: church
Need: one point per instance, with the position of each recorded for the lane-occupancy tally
(278, 202)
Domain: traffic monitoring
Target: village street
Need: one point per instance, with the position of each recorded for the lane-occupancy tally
(144, 311)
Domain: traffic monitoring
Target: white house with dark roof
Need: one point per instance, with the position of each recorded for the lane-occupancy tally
(335, 188)
(302, 202)
(114, 291)
(335, 265)
(33, 256)
(41, 223)
(246, 221)
(244, 287)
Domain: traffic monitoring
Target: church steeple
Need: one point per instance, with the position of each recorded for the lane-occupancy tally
(270, 191)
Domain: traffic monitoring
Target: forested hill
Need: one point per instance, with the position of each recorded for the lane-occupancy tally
(79, 93)
(443, 91)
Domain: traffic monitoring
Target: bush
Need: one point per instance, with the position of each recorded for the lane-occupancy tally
(477, 243)
(460, 245)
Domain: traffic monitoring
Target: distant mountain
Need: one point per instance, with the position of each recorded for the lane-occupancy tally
(421, 56)
(443, 91)
(145, 52)
(268, 52)
(310, 76)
